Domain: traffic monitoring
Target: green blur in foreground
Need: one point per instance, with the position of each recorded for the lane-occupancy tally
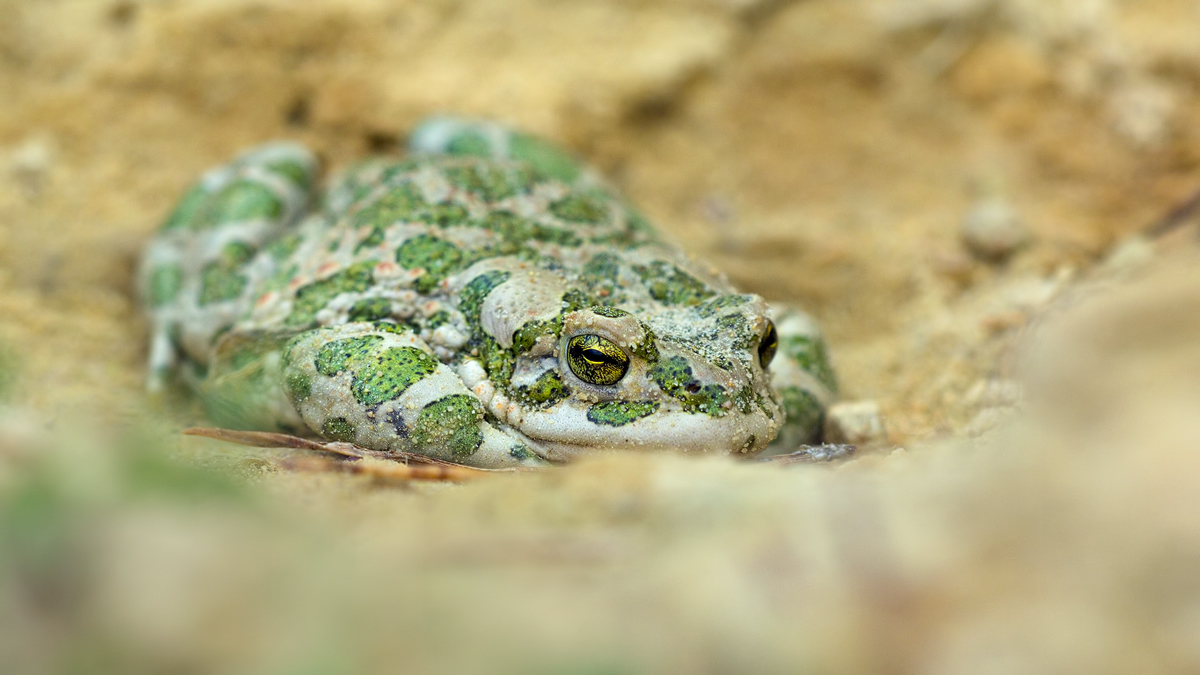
(118, 556)
(66, 507)
(8, 372)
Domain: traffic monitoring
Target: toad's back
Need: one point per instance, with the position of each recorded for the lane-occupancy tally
(487, 301)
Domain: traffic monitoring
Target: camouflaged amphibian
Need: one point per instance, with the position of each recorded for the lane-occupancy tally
(486, 300)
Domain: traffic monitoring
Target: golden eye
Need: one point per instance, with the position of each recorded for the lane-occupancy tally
(768, 345)
(596, 360)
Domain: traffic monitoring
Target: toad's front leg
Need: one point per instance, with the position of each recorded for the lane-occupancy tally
(379, 386)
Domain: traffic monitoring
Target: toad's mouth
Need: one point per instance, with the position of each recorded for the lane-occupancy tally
(567, 432)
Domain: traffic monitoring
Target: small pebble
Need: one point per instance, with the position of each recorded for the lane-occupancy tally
(854, 423)
(30, 162)
(33, 156)
(993, 230)
(1129, 255)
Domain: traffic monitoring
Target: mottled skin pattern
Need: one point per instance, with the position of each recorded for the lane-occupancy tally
(486, 300)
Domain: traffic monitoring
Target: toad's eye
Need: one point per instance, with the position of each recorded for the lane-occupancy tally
(597, 360)
(768, 345)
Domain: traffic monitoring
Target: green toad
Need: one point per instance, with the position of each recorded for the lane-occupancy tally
(487, 301)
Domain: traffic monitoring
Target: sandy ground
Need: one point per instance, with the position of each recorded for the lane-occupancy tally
(824, 152)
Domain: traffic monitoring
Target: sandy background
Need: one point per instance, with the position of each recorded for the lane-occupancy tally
(824, 152)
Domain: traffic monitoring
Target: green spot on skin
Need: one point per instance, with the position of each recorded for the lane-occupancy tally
(672, 286)
(601, 274)
(450, 423)
(386, 375)
(377, 375)
(743, 400)
(602, 267)
(189, 208)
(236, 253)
(338, 429)
(507, 224)
(370, 309)
(299, 386)
(438, 257)
(513, 230)
(713, 306)
(401, 203)
(396, 173)
(312, 298)
(629, 231)
(295, 172)
(620, 413)
(515, 234)
(812, 355)
(282, 278)
(672, 374)
(239, 201)
(165, 283)
(555, 235)
(544, 158)
(610, 312)
(801, 409)
(404, 203)
(222, 279)
(545, 392)
(497, 361)
(736, 327)
(527, 335)
(575, 300)
(761, 402)
(647, 347)
(282, 248)
(375, 238)
(581, 208)
(612, 240)
(439, 318)
(487, 182)
(336, 356)
(709, 401)
(445, 215)
(521, 453)
(469, 144)
(675, 377)
(471, 299)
